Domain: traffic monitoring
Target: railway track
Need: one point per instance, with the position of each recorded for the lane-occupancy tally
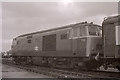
(62, 73)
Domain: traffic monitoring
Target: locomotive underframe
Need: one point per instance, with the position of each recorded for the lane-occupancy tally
(59, 62)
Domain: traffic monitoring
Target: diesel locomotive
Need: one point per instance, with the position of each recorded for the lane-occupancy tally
(72, 46)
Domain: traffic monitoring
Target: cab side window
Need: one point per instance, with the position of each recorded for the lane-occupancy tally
(74, 32)
(83, 31)
(63, 36)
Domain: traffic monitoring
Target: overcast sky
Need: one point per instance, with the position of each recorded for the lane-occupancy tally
(26, 17)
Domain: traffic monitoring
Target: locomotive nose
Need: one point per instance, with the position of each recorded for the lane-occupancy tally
(95, 47)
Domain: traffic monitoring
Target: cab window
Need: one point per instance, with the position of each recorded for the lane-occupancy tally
(83, 31)
(93, 30)
(63, 36)
(74, 33)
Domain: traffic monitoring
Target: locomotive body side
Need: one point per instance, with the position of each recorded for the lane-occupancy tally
(71, 46)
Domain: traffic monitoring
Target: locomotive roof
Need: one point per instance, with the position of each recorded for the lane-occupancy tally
(63, 27)
(112, 19)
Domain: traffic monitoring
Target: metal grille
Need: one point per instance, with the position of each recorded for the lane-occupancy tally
(49, 43)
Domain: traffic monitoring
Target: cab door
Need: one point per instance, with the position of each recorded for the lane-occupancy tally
(109, 39)
(82, 46)
(79, 41)
(82, 41)
(74, 36)
(74, 47)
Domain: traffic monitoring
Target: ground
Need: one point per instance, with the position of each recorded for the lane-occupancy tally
(13, 72)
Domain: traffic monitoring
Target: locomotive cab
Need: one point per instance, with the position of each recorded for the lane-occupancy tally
(87, 44)
(13, 46)
(86, 40)
(94, 43)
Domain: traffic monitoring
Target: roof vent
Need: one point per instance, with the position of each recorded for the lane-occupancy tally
(91, 23)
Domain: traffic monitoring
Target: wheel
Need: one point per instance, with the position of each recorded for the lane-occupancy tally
(29, 61)
(118, 67)
(76, 67)
(117, 64)
(92, 64)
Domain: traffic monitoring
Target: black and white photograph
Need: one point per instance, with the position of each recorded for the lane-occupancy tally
(59, 39)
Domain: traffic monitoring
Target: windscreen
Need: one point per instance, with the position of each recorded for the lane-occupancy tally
(93, 30)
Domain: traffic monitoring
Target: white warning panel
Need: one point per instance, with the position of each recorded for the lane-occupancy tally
(118, 35)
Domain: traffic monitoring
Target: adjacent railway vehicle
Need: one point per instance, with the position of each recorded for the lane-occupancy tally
(70, 46)
(111, 41)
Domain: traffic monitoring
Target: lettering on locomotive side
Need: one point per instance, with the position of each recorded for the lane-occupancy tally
(36, 48)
